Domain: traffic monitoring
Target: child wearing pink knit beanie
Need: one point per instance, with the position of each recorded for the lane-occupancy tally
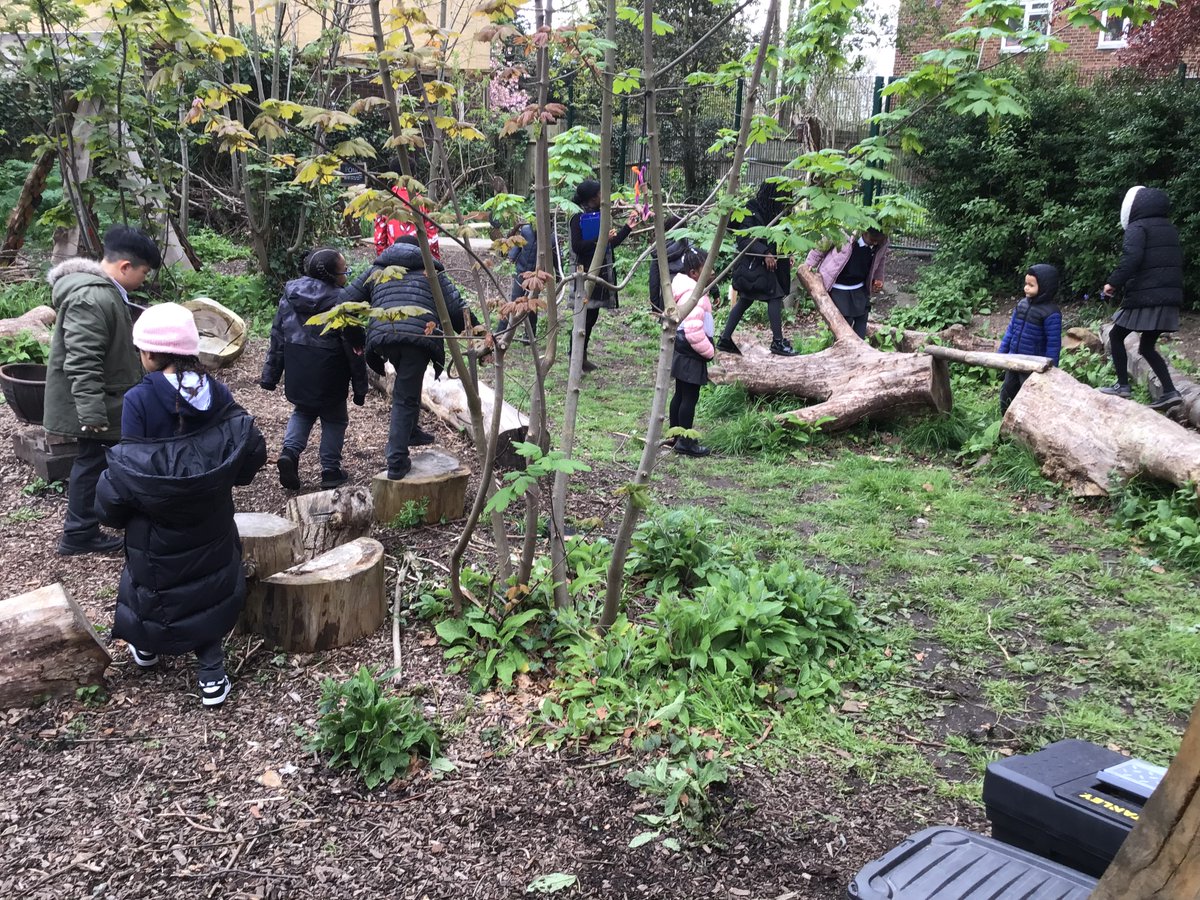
(167, 328)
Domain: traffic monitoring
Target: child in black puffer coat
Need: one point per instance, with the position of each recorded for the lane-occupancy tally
(316, 368)
(184, 445)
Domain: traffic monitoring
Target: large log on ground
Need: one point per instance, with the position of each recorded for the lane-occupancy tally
(36, 321)
(437, 481)
(850, 380)
(327, 602)
(1160, 860)
(223, 332)
(446, 399)
(330, 518)
(1084, 438)
(48, 648)
(1141, 373)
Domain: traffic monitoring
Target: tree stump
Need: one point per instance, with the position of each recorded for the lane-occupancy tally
(48, 648)
(328, 519)
(1160, 860)
(850, 380)
(270, 544)
(223, 332)
(327, 602)
(436, 480)
(1083, 437)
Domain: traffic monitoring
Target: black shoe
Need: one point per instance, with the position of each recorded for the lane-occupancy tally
(691, 447)
(726, 345)
(1118, 390)
(331, 478)
(398, 472)
(421, 438)
(99, 544)
(1166, 401)
(589, 366)
(782, 348)
(213, 693)
(289, 475)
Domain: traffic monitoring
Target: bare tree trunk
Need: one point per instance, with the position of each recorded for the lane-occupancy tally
(22, 213)
(671, 316)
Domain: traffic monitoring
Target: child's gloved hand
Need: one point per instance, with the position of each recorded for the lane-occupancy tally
(360, 399)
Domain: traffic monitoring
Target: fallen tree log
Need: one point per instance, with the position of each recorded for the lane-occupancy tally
(1141, 373)
(1084, 438)
(437, 483)
(36, 321)
(850, 380)
(1009, 362)
(446, 399)
(328, 519)
(48, 648)
(327, 602)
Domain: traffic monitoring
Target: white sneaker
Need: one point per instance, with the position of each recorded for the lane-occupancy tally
(143, 660)
(213, 693)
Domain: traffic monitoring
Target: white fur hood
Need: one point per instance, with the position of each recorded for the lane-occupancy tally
(75, 266)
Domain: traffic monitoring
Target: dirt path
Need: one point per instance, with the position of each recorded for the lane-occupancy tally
(148, 794)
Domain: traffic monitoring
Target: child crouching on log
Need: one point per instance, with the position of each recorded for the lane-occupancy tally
(185, 443)
(1035, 329)
(693, 349)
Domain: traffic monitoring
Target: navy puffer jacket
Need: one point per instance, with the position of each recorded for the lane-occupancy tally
(315, 367)
(183, 585)
(1036, 325)
(410, 290)
(1151, 266)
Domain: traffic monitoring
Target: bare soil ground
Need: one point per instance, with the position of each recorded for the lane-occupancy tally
(148, 795)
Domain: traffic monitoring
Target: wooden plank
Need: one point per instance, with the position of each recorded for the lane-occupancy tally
(1009, 362)
(1160, 860)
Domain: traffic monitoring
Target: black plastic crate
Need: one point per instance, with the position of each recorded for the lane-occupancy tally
(956, 864)
(1058, 804)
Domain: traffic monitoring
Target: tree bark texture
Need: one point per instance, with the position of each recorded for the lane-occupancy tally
(21, 216)
(1084, 438)
(223, 332)
(36, 321)
(436, 480)
(328, 519)
(1160, 860)
(270, 544)
(48, 648)
(327, 602)
(1141, 373)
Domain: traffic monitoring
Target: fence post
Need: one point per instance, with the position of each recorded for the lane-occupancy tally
(619, 165)
(737, 105)
(868, 188)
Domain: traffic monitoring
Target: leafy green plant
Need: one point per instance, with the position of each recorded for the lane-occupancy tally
(23, 347)
(364, 726)
(23, 515)
(213, 247)
(1168, 520)
(23, 296)
(747, 426)
(247, 295)
(493, 651)
(1087, 366)
(91, 695)
(677, 549)
(538, 465)
(947, 294)
(684, 786)
(411, 514)
(573, 155)
(40, 485)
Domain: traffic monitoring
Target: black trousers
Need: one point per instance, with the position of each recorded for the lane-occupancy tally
(1146, 342)
(774, 314)
(81, 523)
(1008, 390)
(410, 363)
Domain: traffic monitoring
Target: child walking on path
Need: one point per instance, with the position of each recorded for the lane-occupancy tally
(316, 368)
(92, 364)
(1035, 328)
(184, 445)
(693, 349)
(1151, 272)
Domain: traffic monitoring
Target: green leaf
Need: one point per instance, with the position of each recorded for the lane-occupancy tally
(551, 884)
(644, 838)
(452, 631)
(671, 710)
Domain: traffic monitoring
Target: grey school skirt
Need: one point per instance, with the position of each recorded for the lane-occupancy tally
(1148, 318)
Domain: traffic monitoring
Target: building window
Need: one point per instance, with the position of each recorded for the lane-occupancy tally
(1114, 32)
(1037, 17)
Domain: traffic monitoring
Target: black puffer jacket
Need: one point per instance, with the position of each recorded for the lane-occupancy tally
(1151, 266)
(411, 290)
(751, 277)
(316, 367)
(183, 584)
(675, 251)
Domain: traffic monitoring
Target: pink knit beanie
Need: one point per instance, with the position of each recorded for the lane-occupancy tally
(167, 328)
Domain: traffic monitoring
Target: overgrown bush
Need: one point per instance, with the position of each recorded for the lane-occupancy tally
(1166, 520)
(247, 295)
(736, 424)
(23, 296)
(212, 246)
(1048, 187)
(947, 293)
(375, 732)
(23, 347)
(677, 549)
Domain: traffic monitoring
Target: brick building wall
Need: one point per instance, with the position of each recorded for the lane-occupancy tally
(923, 22)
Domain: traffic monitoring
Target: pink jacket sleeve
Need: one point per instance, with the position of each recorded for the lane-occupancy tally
(698, 325)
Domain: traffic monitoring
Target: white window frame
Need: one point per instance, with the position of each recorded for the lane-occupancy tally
(1105, 43)
(1032, 8)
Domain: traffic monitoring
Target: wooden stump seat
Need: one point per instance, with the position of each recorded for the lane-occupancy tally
(436, 478)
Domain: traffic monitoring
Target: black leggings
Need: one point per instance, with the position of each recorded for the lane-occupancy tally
(589, 322)
(774, 313)
(1146, 342)
(683, 404)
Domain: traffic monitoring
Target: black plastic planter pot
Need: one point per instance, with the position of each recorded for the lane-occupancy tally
(24, 386)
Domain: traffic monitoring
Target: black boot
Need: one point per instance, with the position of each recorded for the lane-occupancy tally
(726, 345)
(288, 464)
(690, 447)
(782, 347)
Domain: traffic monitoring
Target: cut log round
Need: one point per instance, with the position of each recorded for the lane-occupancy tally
(48, 648)
(330, 518)
(436, 480)
(223, 332)
(327, 602)
(1083, 438)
